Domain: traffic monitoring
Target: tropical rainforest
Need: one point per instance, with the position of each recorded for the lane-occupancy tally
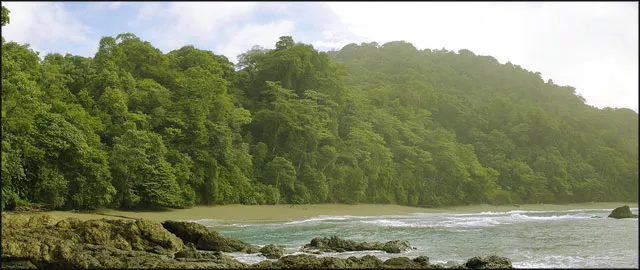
(134, 127)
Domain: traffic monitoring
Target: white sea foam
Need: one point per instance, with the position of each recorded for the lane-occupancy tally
(249, 258)
(490, 213)
(321, 218)
(525, 217)
(472, 222)
(468, 230)
(588, 210)
(554, 261)
(434, 223)
(388, 223)
(205, 222)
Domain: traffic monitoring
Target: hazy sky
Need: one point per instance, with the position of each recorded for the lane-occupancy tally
(592, 46)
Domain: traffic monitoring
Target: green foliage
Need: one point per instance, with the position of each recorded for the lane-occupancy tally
(133, 127)
(141, 173)
(5, 16)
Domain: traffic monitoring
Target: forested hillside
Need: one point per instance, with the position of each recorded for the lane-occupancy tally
(134, 127)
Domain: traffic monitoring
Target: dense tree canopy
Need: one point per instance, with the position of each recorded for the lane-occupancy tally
(135, 127)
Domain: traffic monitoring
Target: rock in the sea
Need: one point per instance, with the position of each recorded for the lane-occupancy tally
(202, 238)
(622, 212)
(308, 261)
(299, 261)
(272, 251)
(491, 262)
(396, 246)
(367, 261)
(400, 262)
(338, 244)
(304, 261)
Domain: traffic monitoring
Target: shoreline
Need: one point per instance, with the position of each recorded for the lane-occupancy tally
(275, 213)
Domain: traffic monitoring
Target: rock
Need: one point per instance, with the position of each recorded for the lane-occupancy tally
(622, 212)
(491, 262)
(423, 261)
(18, 264)
(71, 243)
(404, 262)
(299, 261)
(337, 244)
(337, 263)
(189, 232)
(396, 246)
(208, 256)
(400, 262)
(189, 254)
(367, 261)
(139, 235)
(272, 251)
(202, 238)
(266, 264)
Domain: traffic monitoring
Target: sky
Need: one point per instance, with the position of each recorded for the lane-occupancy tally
(592, 46)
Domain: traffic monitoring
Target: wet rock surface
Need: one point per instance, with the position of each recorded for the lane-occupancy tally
(102, 243)
(622, 212)
(338, 244)
(205, 239)
(272, 251)
(37, 241)
(306, 261)
(491, 262)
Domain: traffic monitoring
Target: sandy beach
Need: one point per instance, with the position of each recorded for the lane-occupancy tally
(271, 213)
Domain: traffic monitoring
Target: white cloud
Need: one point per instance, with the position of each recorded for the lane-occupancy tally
(264, 35)
(178, 23)
(43, 23)
(591, 46)
(106, 5)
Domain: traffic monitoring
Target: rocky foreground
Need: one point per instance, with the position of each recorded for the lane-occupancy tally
(40, 242)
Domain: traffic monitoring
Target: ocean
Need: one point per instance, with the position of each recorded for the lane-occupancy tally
(579, 238)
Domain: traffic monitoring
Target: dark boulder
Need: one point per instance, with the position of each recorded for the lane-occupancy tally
(404, 262)
(272, 251)
(337, 263)
(338, 244)
(304, 261)
(215, 257)
(367, 261)
(400, 262)
(622, 212)
(396, 246)
(491, 262)
(299, 261)
(17, 264)
(423, 261)
(202, 238)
